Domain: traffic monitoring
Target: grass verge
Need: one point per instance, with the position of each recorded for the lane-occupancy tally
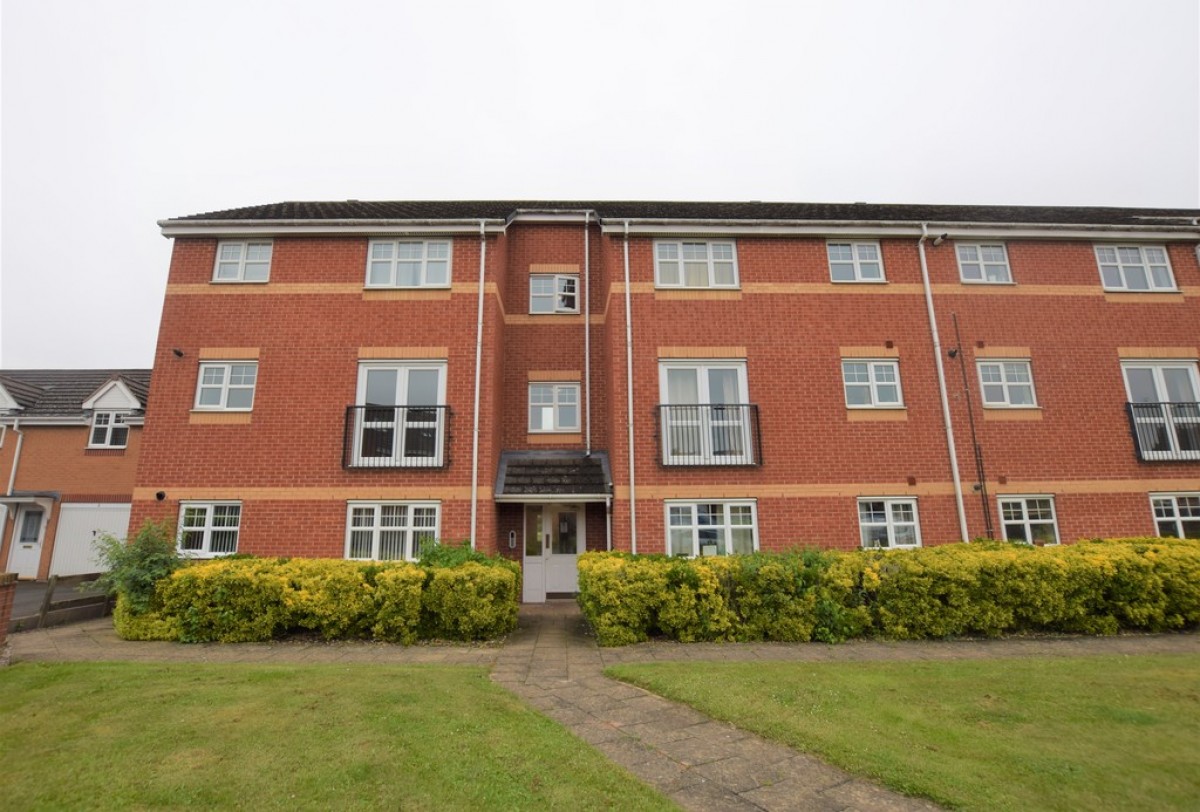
(128, 735)
(1107, 732)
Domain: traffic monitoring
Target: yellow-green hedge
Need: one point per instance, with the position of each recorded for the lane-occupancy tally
(1097, 587)
(245, 600)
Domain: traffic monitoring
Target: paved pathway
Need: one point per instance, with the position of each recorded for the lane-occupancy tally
(552, 664)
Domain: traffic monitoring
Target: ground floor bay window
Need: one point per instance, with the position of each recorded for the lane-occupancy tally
(711, 528)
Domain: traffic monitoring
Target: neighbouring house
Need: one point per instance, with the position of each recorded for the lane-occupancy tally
(351, 379)
(69, 441)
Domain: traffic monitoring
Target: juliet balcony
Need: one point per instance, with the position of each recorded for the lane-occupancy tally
(1165, 431)
(395, 437)
(725, 434)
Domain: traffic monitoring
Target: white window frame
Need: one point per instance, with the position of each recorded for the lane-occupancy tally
(1025, 521)
(1163, 432)
(982, 263)
(207, 529)
(856, 261)
(225, 386)
(1122, 267)
(891, 522)
(725, 528)
(1006, 385)
(393, 260)
(400, 456)
(556, 297)
(1165, 507)
(1157, 367)
(557, 424)
(410, 529)
(682, 247)
(710, 423)
(873, 383)
(239, 264)
(112, 420)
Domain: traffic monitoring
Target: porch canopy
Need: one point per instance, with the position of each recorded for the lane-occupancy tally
(553, 476)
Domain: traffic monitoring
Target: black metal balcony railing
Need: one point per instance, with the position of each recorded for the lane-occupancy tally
(1166, 431)
(395, 437)
(709, 434)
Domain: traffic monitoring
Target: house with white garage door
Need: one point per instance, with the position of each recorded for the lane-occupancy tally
(69, 442)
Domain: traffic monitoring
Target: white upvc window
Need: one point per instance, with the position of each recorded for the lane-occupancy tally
(1164, 403)
(1136, 268)
(1007, 384)
(711, 528)
(209, 529)
(400, 414)
(408, 264)
(244, 261)
(983, 263)
(1029, 519)
(855, 262)
(227, 386)
(108, 430)
(554, 293)
(553, 407)
(1176, 514)
(884, 523)
(705, 412)
(390, 531)
(872, 384)
(683, 264)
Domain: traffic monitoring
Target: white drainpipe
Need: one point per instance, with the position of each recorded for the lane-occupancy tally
(587, 329)
(629, 397)
(941, 373)
(12, 478)
(478, 371)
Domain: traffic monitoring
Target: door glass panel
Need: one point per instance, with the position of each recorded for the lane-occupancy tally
(682, 386)
(1179, 386)
(30, 527)
(423, 387)
(563, 535)
(381, 387)
(533, 530)
(723, 386)
(1141, 385)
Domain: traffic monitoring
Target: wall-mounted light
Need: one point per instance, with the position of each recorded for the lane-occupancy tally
(941, 238)
(161, 495)
(512, 539)
(178, 352)
(952, 352)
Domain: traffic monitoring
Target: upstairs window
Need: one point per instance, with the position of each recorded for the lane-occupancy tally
(243, 262)
(399, 417)
(209, 529)
(679, 264)
(408, 264)
(1006, 384)
(227, 386)
(553, 407)
(108, 430)
(1136, 268)
(855, 262)
(872, 384)
(554, 293)
(705, 414)
(987, 264)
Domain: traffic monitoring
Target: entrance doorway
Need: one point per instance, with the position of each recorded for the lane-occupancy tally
(554, 538)
(26, 549)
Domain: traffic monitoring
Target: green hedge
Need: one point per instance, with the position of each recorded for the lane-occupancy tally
(989, 589)
(252, 599)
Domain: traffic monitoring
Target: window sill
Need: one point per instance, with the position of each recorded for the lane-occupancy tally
(693, 294)
(216, 418)
(1012, 413)
(239, 281)
(880, 414)
(858, 281)
(1145, 297)
(554, 438)
(981, 284)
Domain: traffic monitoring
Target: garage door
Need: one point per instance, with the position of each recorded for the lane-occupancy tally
(78, 526)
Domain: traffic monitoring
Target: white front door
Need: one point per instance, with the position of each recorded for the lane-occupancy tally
(28, 530)
(554, 538)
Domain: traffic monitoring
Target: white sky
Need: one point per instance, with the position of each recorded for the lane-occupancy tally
(119, 113)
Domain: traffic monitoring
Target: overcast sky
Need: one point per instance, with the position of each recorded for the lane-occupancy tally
(119, 113)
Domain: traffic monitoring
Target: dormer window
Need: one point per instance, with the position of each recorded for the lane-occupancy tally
(109, 430)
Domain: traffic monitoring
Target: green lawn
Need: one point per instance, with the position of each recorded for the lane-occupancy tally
(1032, 733)
(125, 735)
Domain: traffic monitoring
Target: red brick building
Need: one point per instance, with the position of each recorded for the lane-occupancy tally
(69, 441)
(350, 378)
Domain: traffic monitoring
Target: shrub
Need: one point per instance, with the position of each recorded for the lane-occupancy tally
(227, 601)
(150, 625)
(472, 601)
(335, 598)
(398, 603)
(620, 595)
(133, 567)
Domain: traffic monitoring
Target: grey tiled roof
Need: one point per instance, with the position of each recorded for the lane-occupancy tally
(550, 473)
(680, 210)
(61, 392)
